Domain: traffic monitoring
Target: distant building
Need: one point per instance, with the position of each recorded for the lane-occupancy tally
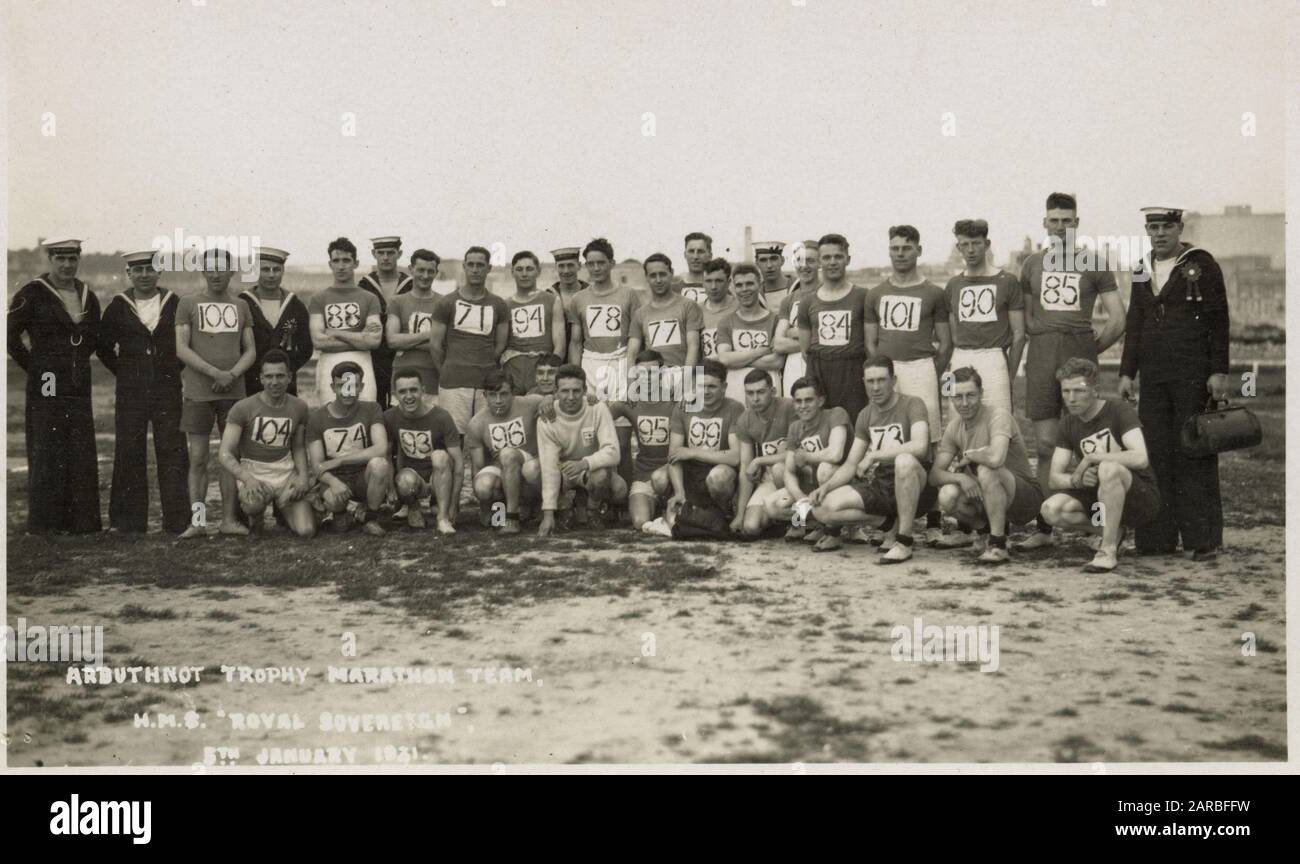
(1251, 249)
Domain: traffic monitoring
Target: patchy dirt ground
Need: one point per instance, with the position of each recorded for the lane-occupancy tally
(631, 649)
(649, 651)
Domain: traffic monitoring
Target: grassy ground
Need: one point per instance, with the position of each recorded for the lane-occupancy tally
(641, 650)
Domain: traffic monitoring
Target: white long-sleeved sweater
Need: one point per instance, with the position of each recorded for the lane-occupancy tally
(588, 435)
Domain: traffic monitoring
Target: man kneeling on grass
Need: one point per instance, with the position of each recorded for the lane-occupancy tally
(429, 459)
(348, 446)
(817, 443)
(578, 450)
(502, 444)
(1111, 488)
(884, 482)
(262, 447)
(982, 472)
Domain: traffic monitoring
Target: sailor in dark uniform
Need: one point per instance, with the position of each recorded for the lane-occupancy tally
(770, 257)
(60, 315)
(385, 282)
(280, 320)
(1176, 346)
(137, 343)
(568, 285)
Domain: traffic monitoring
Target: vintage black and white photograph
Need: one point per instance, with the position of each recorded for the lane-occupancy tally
(753, 385)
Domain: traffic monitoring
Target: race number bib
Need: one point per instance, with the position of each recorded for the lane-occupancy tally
(343, 316)
(345, 439)
(508, 434)
(794, 314)
(1059, 292)
(604, 320)
(709, 340)
(664, 333)
(693, 292)
(272, 431)
(477, 319)
(705, 432)
(749, 339)
(812, 444)
(885, 436)
(419, 322)
(218, 318)
(977, 303)
(900, 313)
(770, 448)
(833, 327)
(652, 431)
(1101, 441)
(416, 443)
(527, 322)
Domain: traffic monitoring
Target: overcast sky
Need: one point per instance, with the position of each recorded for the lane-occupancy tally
(523, 122)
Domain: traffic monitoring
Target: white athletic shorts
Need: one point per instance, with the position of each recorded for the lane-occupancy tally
(919, 379)
(764, 492)
(278, 474)
(991, 363)
(795, 369)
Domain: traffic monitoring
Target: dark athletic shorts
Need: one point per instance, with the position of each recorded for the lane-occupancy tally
(842, 378)
(1047, 351)
(1141, 505)
(877, 493)
(1026, 504)
(197, 417)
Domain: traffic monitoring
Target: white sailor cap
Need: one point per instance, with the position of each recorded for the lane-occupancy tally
(390, 242)
(770, 247)
(270, 253)
(144, 256)
(1163, 214)
(62, 245)
(566, 253)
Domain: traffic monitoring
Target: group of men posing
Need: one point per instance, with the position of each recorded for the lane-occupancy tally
(594, 392)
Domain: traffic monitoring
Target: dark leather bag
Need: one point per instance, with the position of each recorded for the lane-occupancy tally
(1219, 429)
(700, 523)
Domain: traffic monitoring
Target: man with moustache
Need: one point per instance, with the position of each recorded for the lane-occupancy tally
(1062, 284)
(60, 316)
(744, 339)
(214, 339)
(469, 333)
(346, 324)
(410, 320)
(385, 282)
(697, 252)
(137, 343)
(577, 450)
(280, 320)
(263, 448)
(536, 319)
(786, 338)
